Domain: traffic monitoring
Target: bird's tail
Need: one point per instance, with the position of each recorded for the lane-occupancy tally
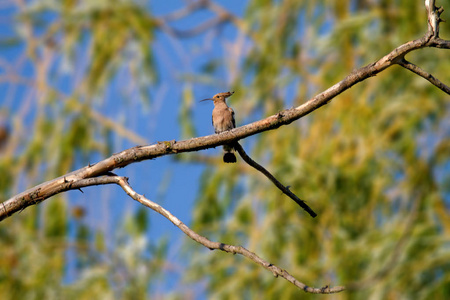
(229, 156)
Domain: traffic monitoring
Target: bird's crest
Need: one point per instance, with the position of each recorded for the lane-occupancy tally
(219, 95)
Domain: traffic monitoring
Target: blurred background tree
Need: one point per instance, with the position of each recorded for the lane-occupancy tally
(80, 80)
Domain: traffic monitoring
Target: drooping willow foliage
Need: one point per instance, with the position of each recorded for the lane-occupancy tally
(78, 77)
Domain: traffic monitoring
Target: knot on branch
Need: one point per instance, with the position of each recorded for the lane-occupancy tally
(325, 289)
(35, 197)
(168, 146)
(273, 269)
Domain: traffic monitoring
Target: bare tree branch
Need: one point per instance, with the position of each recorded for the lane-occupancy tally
(417, 70)
(272, 178)
(434, 17)
(45, 190)
(439, 43)
(276, 271)
(61, 186)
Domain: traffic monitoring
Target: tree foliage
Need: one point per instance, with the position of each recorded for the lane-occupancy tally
(373, 163)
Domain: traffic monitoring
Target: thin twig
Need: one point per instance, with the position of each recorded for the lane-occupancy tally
(417, 70)
(276, 271)
(101, 180)
(272, 178)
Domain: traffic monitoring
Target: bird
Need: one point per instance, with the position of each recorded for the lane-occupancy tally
(223, 120)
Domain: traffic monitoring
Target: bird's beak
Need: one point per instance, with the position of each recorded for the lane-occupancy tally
(206, 99)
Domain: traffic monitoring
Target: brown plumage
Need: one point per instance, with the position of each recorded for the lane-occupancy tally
(223, 120)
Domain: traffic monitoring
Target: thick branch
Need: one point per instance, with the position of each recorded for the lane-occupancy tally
(417, 70)
(276, 271)
(272, 178)
(55, 187)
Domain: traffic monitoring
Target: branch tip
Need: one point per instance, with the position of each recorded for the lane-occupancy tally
(272, 178)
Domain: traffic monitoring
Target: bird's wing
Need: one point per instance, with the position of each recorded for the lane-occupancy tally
(232, 117)
(214, 126)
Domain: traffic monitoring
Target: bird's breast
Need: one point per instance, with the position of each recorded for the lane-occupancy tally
(222, 119)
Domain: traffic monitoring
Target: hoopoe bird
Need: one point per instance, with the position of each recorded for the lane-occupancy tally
(223, 120)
